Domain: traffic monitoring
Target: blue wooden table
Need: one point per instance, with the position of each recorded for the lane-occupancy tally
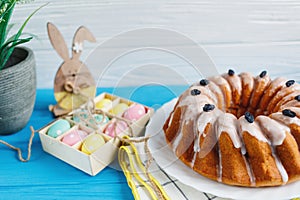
(46, 177)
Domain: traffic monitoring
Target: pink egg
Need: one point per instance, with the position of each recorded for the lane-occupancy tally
(74, 136)
(134, 112)
(112, 131)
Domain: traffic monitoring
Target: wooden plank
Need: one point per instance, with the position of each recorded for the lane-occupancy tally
(245, 35)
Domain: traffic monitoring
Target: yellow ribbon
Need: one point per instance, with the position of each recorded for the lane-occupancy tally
(131, 173)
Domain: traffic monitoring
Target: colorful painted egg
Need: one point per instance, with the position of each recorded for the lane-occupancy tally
(134, 112)
(58, 128)
(103, 103)
(92, 143)
(74, 136)
(100, 119)
(115, 128)
(77, 118)
(119, 109)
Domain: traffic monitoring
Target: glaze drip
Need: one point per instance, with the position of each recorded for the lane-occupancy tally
(274, 131)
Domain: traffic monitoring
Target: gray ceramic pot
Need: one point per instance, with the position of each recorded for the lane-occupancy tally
(17, 91)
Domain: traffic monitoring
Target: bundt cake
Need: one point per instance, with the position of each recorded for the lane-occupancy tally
(239, 129)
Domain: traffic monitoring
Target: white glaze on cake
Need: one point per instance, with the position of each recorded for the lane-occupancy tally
(220, 167)
(203, 120)
(193, 160)
(205, 91)
(247, 79)
(225, 88)
(281, 94)
(171, 119)
(249, 172)
(276, 85)
(273, 88)
(290, 96)
(274, 131)
(234, 81)
(236, 86)
(252, 129)
(279, 165)
(219, 94)
(227, 123)
(260, 84)
(189, 113)
(285, 119)
(247, 88)
(286, 99)
(294, 109)
(292, 104)
(207, 117)
(192, 112)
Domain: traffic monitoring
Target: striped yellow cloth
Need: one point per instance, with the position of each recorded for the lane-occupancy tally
(133, 161)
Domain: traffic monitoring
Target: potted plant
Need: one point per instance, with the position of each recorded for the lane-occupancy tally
(17, 73)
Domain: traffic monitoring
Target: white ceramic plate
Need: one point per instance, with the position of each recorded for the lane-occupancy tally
(174, 167)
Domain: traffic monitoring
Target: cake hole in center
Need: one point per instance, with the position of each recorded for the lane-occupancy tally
(239, 111)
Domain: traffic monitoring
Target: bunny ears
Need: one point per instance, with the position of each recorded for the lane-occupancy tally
(60, 45)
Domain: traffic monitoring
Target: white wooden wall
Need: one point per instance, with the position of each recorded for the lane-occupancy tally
(241, 34)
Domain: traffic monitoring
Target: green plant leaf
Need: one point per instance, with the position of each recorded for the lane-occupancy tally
(23, 34)
(7, 50)
(10, 3)
(26, 21)
(10, 44)
(4, 22)
(15, 40)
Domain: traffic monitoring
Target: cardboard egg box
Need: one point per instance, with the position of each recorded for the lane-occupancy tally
(92, 164)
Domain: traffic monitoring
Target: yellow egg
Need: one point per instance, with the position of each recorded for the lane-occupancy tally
(92, 143)
(119, 109)
(103, 103)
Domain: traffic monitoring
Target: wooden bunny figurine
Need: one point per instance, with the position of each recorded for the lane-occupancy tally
(73, 84)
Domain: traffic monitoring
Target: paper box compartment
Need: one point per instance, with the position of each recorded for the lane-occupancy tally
(102, 157)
